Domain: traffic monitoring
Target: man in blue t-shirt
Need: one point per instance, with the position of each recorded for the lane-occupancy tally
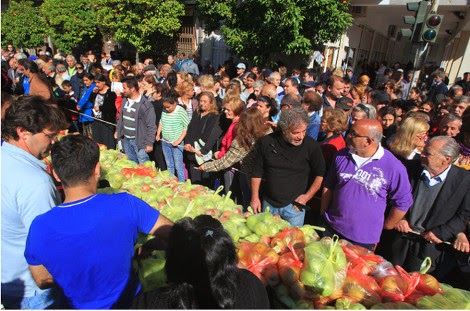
(86, 244)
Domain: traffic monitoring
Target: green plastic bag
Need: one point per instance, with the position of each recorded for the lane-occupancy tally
(453, 299)
(346, 304)
(325, 266)
(393, 306)
(151, 271)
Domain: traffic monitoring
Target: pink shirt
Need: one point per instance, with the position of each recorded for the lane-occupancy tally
(228, 137)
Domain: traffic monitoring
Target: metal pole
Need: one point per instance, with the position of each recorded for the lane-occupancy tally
(421, 54)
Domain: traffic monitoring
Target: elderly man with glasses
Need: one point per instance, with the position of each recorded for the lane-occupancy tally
(363, 180)
(440, 211)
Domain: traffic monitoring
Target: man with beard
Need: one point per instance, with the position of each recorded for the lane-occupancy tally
(29, 130)
(292, 167)
(363, 179)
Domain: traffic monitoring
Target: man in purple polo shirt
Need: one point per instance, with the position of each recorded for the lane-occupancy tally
(363, 180)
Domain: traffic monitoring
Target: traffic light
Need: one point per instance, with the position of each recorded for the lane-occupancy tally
(417, 20)
(431, 28)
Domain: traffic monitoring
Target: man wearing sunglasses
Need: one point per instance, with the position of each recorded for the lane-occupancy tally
(363, 180)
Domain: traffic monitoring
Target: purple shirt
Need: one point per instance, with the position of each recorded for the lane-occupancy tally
(361, 194)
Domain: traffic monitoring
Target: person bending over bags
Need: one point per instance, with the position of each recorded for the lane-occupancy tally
(85, 245)
(202, 273)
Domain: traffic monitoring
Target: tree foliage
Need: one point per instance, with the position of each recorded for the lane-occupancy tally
(71, 21)
(255, 29)
(138, 21)
(23, 25)
(145, 24)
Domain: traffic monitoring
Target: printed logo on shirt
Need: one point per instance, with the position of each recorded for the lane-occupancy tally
(372, 181)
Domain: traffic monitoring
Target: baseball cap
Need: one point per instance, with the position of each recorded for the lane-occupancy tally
(309, 84)
(381, 97)
(150, 67)
(349, 68)
(267, 72)
(241, 66)
(344, 103)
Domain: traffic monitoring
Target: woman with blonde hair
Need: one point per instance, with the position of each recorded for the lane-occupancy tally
(364, 80)
(358, 94)
(184, 76)
(185, 89)
(410, 140)
(393, 89)
(201, 138)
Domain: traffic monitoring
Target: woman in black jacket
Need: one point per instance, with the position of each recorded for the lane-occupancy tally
(201, 138)
(104, 112)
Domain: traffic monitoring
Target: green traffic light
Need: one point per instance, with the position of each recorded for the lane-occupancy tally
(429, 35)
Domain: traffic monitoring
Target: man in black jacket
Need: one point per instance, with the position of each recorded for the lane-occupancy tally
(441, 209)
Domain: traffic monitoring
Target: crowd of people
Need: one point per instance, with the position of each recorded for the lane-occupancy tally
(360, 152)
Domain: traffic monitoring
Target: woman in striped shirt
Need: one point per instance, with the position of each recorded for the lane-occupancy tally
(171, 131)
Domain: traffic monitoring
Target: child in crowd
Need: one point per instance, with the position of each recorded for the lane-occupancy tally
(171, 131)
(70, 103)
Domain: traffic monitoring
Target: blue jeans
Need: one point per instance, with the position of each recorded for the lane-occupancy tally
(288, 213)
(133, 153)
(174, 159)
(40, 301)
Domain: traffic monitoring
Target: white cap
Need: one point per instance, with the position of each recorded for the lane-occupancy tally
(241, 66)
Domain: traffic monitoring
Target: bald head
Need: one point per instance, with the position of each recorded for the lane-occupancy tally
(269, 90)
(372, 127)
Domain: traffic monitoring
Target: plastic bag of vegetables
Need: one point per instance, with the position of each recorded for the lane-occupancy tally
(397, 288)
(310, 233)
(289, 238)
(151, 271)
(361, 288)
(393, 306)
(428, 284)
(346, 304)
(324, 266)
(266, 223)
(453, 298)
(361, 259)
(261, 260)
(383, 269)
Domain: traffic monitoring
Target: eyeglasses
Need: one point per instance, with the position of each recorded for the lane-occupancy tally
(53, 137)
(354, 134)
(363, 108)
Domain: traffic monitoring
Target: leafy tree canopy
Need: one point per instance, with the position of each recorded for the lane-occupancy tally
(71, 21)
(137, 21)
(255, 29)
(23, 25)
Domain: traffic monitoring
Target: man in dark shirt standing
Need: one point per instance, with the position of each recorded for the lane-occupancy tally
(292, 167)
